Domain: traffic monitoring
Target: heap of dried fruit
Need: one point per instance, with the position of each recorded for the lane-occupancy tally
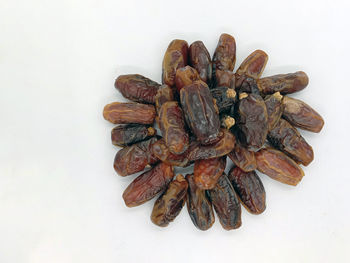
(206, 112)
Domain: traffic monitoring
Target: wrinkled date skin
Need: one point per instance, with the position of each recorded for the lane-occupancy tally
(249, 189)
(170, 203)
(224, 98)
(207, 172)
(148, 185)
(225, 54)
(243, 158)
(128, 112)
(135, 158)
(253, 66)
(283, 83)
(226, 143)
(164, 94)
(199, 206)
(226, 203)
(287, 139)
(278, 166)
(274, 108)
(125, 135)
(185, 76)
(225, 78)
(137, 88)
(252, 126)
(199, 58)
(172, 125)
(200, 113)
(301, 115)
(248, 85)
(161, 151)
(175, 57)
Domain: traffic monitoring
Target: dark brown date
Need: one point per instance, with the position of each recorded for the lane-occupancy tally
(253, 66)
(148, 185)
(137, 88)
(135, 158)
(199, 206)
(199, 58)
(283, 83)
(226, 143)
(301, 115)
(164, 94)
(226, 203)
(123, 113)
(172, 126)
(243, 158)
(175, 57)
(200, 114)
(278, 166)
(125, 135)
(252, 125)
(161, 151)
(170, 203)
(225, 54)
(287, 139)
(274, 108)
(225, 78)
(224, 98)
(227, 121)
(207, 172)
(249, 189)
(248, 85)
(185, 76)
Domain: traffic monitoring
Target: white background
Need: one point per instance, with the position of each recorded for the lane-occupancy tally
(60, 199)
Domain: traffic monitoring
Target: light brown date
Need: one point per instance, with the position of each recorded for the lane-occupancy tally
(243, 158)
(274, 108)
(164, 94)
(207, 172)
(185, 76)
(161, 151)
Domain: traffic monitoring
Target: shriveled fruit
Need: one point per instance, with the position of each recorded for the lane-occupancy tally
(207, 172)
(125, 135)
(243, 158)
(161, 151)
(148, 185)
(199, 59)
(225, 78)
(164, 94)
(224, 98)
(185, 76)
(274, 109)
(225, 53)
(169, 204)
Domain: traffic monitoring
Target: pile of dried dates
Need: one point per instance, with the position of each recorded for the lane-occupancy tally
(206, 112)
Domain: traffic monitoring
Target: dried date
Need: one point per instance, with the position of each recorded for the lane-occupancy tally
(125, 135)
(199, 58)
(124, 113)
(207, 172)
(249, 189)
(274, 108)
(226, 203)
(161, 151)
(170, 203)
(199, 205)
(148, 185)
(185, 76)
(137, 88)
(164, 94)
(225, 78)
(287, 139)
(225, 54)
(224, 98)
(243, 158)
(135, 158)
(278, 166)
(301, 115)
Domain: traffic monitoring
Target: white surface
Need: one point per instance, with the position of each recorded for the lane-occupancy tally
(60, 200)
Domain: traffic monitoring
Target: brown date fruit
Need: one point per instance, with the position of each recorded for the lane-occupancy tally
(249, 189)
(274, 108)
(169, 204)
(227, 121)
(252, 125)
(287, 139)
(199, 59)
(175, 57)
(129, 112)
(226, 143)
(125, 135)
(253, 66)
(225, 54)
(164, 94)
(225, 78)
(137, 88)
(243, 158)
(301, 115)
(185, 76)
(148, 185)
(283, 83)
(207, 172)
(199, 206)
(135, 158)
(248, 85)
(226, 203)
(278, 166)
(224, 98)
(172, 126)
(161, 151)
(200, 113)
